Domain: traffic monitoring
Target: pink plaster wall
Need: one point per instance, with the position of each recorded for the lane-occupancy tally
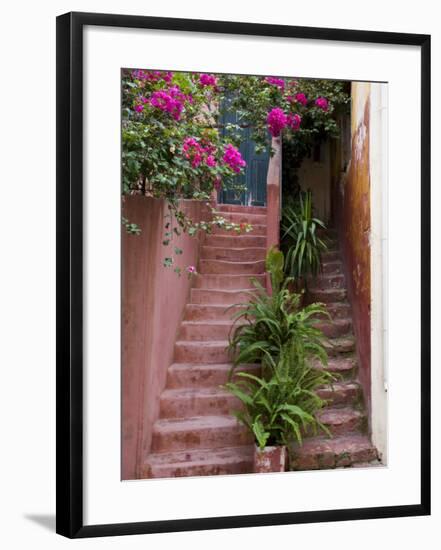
(273, 199)
(153, 299)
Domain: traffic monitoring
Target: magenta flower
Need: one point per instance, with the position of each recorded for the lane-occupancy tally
(161, 100)
(207, 79)
(139, 108)
(276, 120)
(170, 102)
(275, 82)
(196, 160)
(233, 158)
(322, 103)
(192, 151)
(294, 120)
(210, 160)
(191, 270)
(301, 98)
(152, 76)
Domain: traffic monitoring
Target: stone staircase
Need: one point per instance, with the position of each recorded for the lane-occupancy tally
(345, 415)
(195, 433)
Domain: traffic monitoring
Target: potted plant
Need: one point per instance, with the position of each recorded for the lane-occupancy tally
(279, 405)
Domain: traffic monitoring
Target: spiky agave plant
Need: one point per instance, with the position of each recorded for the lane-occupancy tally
(303, 245)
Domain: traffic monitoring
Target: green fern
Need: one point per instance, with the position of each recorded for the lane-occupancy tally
(265, 324)
(281, 406)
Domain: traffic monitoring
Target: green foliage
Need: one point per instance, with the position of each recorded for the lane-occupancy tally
(131, 228)
(152, 139)
(280, 334)
(300, 239)
(274, 266)
(154, 162)
(266, 324)
(278, 408)
(253, 97)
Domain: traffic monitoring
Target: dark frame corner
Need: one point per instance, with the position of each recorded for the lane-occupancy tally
(69, 290)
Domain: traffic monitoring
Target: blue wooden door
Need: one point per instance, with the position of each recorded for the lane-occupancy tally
(253, 180)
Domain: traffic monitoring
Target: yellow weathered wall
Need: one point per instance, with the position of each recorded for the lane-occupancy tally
(354, 221)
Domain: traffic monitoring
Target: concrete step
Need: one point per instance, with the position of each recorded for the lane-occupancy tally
(239, 208)
(245, 217)
(335, 328)
(193, 375)
(196, 351)
(223, 267)
(321, 453)
(328, 233)
(204, 462)
(201, 312)
(327, 281)
(225, 281)
(343, 344)
(185, 402)
(343, 421)
(236, 241)
(332, 268)
(199, 432)
(206, 330)
(329, 295)
(233, 254)
(208, 296)
(331, 255)
(345, 367)
(341, 393)
(258, 229)
(338, 310)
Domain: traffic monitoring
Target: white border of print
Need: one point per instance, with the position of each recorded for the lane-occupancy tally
(106, 498)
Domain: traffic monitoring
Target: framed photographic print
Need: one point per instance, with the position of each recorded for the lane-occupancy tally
(243, 274)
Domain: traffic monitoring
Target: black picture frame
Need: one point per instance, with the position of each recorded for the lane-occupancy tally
(69, 266)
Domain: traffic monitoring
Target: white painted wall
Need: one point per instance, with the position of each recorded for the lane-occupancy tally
(379, 240)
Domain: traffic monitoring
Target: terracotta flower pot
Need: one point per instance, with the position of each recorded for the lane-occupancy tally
(270, 459)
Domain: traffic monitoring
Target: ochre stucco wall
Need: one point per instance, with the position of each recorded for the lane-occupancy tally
(153, 299)
(353, 222)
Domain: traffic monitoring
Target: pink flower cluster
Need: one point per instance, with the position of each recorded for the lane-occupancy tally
(322, 103)
(277, 120)
(275, 82)
(207, 80)
(301, 98)
(152, 76)
(294, 121)
(298, 98)
(139, 104)
(171, 101)
(233, 158)
(196, 152)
